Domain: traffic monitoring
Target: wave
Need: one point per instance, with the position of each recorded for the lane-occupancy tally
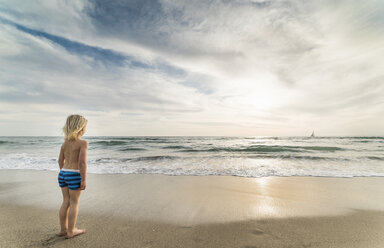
(214, 165)
(13, 143)
(247, 156)
(132, 149)
(145, 158)
(296, 157)
(113, 138)
(354, 138)
(110, 142)
(150, 158)
(375, 158)
(121, 141)
(175, 147)
(6, 142)
(104, 159)
(267, 149)
(260, 156)
(368, 137)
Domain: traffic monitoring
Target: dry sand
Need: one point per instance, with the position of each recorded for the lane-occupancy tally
(195, 211)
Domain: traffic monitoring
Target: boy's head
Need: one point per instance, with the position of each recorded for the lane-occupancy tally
(74, 127)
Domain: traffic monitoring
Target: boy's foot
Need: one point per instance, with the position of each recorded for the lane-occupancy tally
(61, 234)
(76, 232)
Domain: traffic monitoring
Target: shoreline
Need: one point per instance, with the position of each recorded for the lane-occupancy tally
(187, 175)
(196, 211)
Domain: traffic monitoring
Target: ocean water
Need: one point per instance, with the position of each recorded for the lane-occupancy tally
(236, 156)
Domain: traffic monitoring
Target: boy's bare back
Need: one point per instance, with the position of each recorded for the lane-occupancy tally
(73, 152)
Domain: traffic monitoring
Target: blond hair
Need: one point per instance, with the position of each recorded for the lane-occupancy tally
(73, 126)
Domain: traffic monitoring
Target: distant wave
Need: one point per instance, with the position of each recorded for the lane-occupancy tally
(296, 157)
(146, 158)
(265, 148)
(367, 137)
(132, 149)
(110, 142)
(150, 158)
(175, 147)
(5, 142)
(375, 158)
(262, 156)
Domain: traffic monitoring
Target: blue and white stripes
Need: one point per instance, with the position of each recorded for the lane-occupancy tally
(69, 178)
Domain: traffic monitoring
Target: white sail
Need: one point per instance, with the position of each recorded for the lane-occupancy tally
(313, 134)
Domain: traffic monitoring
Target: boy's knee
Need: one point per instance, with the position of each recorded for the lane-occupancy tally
(73, 202)
(66, 203)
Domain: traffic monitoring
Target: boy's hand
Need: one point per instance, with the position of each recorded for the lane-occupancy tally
(83, 185)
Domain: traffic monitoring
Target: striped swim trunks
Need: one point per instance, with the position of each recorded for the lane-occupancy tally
(69, 178)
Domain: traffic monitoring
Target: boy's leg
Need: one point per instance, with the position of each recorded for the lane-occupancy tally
(64, 211)
(74, 197)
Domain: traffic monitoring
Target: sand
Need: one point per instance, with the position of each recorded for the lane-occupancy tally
(195, 211)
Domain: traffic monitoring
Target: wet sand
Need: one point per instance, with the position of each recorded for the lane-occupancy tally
(195, 211)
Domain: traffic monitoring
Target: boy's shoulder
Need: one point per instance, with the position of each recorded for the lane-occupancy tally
(84, 142)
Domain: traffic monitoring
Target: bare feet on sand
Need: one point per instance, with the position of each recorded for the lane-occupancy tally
(75, 232)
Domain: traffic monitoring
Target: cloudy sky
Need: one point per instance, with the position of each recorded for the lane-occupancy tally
(186, 67)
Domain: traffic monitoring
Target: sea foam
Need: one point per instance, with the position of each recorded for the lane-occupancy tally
(230, 156)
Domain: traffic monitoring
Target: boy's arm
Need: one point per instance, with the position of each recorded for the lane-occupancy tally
(83, 163)
(61, 158)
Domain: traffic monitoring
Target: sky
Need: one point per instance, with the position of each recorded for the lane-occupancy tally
(188, 67)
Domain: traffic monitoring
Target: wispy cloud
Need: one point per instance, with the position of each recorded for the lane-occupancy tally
(248, 67)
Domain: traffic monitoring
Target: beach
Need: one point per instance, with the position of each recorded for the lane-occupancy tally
(151, 210)
(192, 124)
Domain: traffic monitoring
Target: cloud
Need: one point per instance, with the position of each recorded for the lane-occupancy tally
(260, 67)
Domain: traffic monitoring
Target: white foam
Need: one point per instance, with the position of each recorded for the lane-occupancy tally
(352, 160)
(244, 167)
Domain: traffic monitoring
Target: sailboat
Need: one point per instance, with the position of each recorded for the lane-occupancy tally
(313, 134)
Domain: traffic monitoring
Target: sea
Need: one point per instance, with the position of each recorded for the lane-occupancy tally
(206, 155)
